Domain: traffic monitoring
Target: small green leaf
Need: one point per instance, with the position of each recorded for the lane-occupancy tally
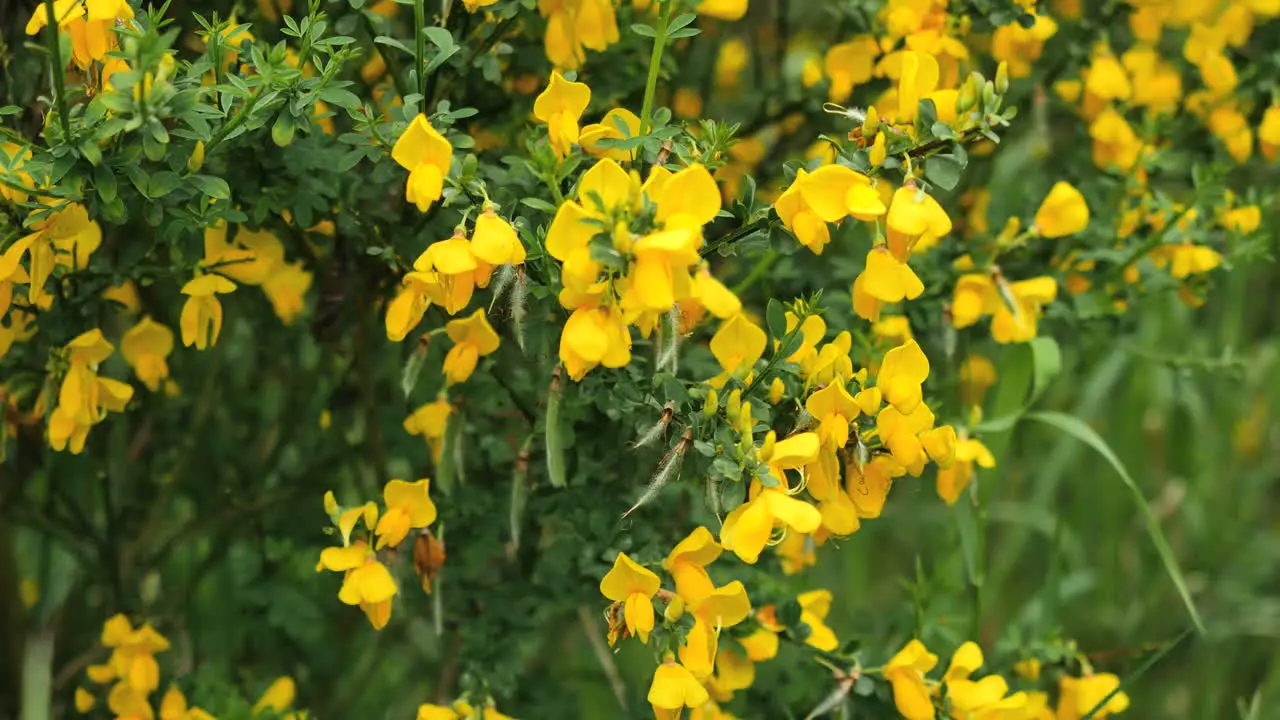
(943, 171)
(214, 187)
(644, 30)
(162, 183)
(104, 181)
(776, 317)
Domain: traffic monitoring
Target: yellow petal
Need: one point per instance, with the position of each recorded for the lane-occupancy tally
(627, 578)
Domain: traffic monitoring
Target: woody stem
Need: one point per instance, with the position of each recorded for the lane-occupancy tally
(56, 65)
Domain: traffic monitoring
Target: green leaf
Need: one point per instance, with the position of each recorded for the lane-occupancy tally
(104, 181)
(1082, 432)
(214, 187)
(1046, 364)
(162, 183)
(644, 30)
(943, 171)
(392, 42)
(340, 97)
(776, 317)
(439, 37)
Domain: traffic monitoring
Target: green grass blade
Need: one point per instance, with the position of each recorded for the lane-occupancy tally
(1128, 682)
(1086, 434)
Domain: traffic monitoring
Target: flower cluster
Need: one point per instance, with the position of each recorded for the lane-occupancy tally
(366, 581)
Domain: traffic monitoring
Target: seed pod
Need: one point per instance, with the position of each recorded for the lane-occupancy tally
(519, 493)
(554, 441)
(519, 291)
(449, 469)
(428, 558)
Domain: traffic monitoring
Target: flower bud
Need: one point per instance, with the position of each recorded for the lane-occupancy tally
(776, 390)
(674, 611)
(871, 123)
(1002, 77)
(878, 151)
(712, 404)
(766, 447)
(196, 161)
(734, 406)
(968, 96)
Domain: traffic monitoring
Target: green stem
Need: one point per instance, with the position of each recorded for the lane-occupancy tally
(757, 272)
(420, 43)
(655, 65)
(232, 124)
(55, 61)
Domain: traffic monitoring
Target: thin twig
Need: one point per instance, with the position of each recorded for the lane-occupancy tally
(605, 658)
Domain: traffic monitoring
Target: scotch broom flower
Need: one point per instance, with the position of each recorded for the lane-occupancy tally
(409, 507)
(146, 347)
(905, 672)
(634, 586)
(201, 320)
(1062, 213)
(473, 338)
(560, 107)
(427, 155)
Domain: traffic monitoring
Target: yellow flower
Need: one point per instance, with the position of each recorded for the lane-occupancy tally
(473, 338)
(1078, 696)
(738, 344)
(591, 337)
(884, 279)
(723, 607)
(827, 195)
(687, 563)
(674, 687)
(174, 707)
(918, 78)
(11, 271)
(201, 320)
(868, 486)
(1269, 133)
(905, 672)
(953, 480)
(1020, 46)
(474, 5)
(65, 237)
(747, 528)
(430, 422)
(367, 583)
(560, 106)
(146, 347)
(279, 696)
(427, 155)
(814, 607)
(686, 199)
(286, 288)
(1015, 318)
(495, 241)
(1062, 213)
(1114, 142)
(13, 157)
(634, 586)
(409, 506)
(84, 700)
(850, 64)
(723, 9)
(608, 128)
(126, 293)
(834, 409)
(447, 274)
(659, 273)
(977, 375)
(129, 703)
(915, 219)
(903, 372)
(731, 61)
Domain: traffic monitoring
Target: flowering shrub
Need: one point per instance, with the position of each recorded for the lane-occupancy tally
(659, 305)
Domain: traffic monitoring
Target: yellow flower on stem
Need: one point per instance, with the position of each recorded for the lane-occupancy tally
(286, 288)
(748, 528)
(905, 672)
(915, 219)
(447, 273)
(687, 563)
(146, 347)
(902, 375)
(495, 241)
(1064, 212)
(659, 274)
(634, 586)
(367, 583)
(201, 320)
(1015, 318)
(723, 607)
(850, 64)
(834, 409)
(430, 422)
(689, 198)
(953, 480)
(278, 696)
(917, 79)
(608, 129)
(815, 605)
(409, 506)
(885, 279)
(473, 338)
(738, 344)
(560, 106)
(1079, 696)
(674, 688)
(427, 155)
(249, 260)
(591, 337)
